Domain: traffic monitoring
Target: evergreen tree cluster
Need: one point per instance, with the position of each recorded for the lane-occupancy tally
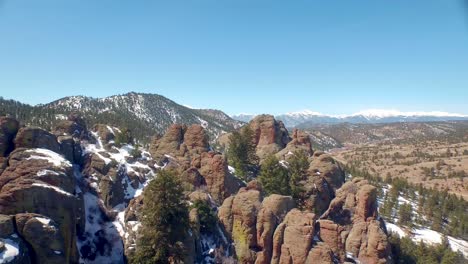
(165, 222)
(441, 211)
(284, 178)
(241, 153)
(405, 251)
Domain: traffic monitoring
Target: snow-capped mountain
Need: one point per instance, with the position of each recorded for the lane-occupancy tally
(306, 117)
(144, 114)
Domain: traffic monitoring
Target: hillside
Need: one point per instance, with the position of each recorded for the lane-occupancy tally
(355, 134)
(145, 114)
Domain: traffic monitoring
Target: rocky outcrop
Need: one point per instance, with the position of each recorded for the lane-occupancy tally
(104, 132)
(293, 237)
(300, 142)
(170, 143)
(196, 140)
(350, 226)
(238, 215)
(33, 182)
(318, 185)
(44, 237)
(220, 183)
(325, 166)
(271, 135)
(34, 137)
(186, 150)
(349, 230)
(273, 211)
(13, 249)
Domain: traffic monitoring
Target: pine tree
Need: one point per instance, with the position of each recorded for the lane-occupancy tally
(406, 214)
(274, 177)
(298, 165)
(165, 222)
(241, 153)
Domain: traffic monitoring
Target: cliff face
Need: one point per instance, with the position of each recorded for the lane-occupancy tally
(73, 195)
(271, 230)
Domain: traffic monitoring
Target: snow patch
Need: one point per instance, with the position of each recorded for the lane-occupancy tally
(11, 251)
(43, 220)
(50, 156)
(57, 189)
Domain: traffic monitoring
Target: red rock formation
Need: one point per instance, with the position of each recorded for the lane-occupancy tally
(270, 135)
(33, 182)
(238, 215)
(300, 142)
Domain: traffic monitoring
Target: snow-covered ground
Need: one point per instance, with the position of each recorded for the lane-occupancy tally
(97, 228)
(419, 233)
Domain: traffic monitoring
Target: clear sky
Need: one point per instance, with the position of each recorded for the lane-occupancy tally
(253, 56)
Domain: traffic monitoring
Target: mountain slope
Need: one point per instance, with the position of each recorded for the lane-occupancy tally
(309, 118)
(144, 114)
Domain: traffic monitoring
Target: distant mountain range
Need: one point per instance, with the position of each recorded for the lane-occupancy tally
(308, 118)
(145, 114)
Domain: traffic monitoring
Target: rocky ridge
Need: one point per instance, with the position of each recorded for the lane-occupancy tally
(100, 182)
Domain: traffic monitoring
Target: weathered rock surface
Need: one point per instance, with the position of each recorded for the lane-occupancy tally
(351, 225)
(271, 135)
(238, 215)
(293, 238)
(44, 237)
(347, 231)
(220, 183)
(170, 143)
(33, 182)
(300, 142)
(273, 211)
(186, 150)
(33, 137)
(325, 166)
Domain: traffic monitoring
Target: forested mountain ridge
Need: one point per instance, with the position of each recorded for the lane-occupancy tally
(144, 114)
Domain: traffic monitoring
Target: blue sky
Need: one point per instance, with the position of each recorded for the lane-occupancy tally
(251, 56)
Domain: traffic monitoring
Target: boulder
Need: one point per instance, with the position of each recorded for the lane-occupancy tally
(8, 129)
(325, 166)
(13, 249)
(44, 237)
(33, 137)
